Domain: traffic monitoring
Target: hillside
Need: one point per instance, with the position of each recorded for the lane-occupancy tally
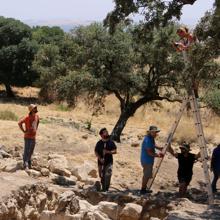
(64, 131)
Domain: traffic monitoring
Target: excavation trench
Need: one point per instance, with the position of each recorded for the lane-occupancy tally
(42, 202)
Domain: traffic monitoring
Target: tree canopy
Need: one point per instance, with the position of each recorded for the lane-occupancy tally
(17, 52)
(132, 66)
(154, 12)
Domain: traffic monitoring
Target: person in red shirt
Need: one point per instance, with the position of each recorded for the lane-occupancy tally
(186, 39)
(31, 122)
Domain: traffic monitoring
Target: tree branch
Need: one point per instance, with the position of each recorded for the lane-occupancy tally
(118, 96)
(169, 100)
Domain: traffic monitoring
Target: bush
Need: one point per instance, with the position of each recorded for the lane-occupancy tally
(8, 115)
(212, 99)
(63, 108)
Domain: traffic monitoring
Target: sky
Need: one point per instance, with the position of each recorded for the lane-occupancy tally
(82, 10)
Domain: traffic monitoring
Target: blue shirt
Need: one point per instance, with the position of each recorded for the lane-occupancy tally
(216, 160)
(148, 143)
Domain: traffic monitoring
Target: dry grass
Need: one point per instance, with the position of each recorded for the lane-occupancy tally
(8, 115)
(163, 117)
(67, 140)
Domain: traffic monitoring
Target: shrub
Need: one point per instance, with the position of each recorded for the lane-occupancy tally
(8, 115)
(63, 108)
(212, 99)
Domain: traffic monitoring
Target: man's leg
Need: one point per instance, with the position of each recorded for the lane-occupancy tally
(31, 151)
(103, 182)
(108, 175)
(214, 181)
(25, 154)
(182, 189)
(147, 174)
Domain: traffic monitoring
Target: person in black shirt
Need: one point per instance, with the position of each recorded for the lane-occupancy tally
(185, 169)
(104, 150)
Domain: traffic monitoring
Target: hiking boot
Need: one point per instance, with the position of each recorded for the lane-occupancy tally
(145, 191)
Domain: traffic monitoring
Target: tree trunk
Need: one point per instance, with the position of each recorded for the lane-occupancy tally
(128, 110)
(117, 130)
(9, 91)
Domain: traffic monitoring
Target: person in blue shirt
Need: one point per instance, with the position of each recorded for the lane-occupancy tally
(215, 167)
(148, 153)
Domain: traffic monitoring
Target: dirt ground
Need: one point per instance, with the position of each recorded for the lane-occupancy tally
(64, 131)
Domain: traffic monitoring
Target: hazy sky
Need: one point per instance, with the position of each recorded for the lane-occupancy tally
(81, 10)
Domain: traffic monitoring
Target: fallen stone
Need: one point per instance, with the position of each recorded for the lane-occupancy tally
(68, 199)
(11, 165)
(85, 206)
(59, 165)
(131, 212)
(85, 136)
(45, 172)
(62, 180)
(33, 173)
(109, 208)
(4, 154)
(83, 172)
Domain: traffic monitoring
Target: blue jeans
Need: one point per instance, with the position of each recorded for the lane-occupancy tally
(29, 145)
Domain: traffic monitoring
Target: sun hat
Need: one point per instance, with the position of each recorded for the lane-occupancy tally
(153, 128)
(185, 146)
(31, 107)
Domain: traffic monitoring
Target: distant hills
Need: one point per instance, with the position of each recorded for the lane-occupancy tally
(65, 24)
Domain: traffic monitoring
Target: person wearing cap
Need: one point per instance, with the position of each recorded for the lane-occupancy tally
(148, 153)
(31, 122)
(215, 167)
(186, 161)
(104, 150)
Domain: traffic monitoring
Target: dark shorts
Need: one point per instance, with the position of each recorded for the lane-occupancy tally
(147, 170)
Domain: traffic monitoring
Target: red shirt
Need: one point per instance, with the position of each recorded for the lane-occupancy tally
(31, 124)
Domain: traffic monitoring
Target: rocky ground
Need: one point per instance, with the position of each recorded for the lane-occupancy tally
(58, 188)
(63, 183)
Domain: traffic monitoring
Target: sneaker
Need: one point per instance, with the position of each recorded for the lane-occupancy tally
(26, 166)
(143, 191)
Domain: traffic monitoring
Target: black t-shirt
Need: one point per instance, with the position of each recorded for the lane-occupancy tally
(185, 164)
(107, 145)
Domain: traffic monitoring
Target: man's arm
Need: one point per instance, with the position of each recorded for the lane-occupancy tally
(97, 154)
(159, 148)
(151, 153)
(113, 151)
(38, 121)
(197, 156)
(170, 149)
(99, 158)
(20, 124)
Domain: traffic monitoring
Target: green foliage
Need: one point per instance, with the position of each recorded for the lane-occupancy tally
(44, 121)
(17, 52)
(131, 63)
(154, 12)
(8, 115)
(48, 35)
(212, 99)
(212, 96)
(88, 124)
(12, 32)
(63, 108)
(49, 66)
